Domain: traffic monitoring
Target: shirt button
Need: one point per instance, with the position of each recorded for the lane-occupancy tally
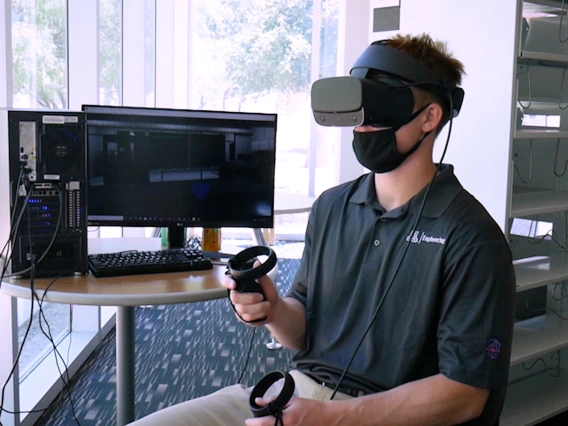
(377, 242)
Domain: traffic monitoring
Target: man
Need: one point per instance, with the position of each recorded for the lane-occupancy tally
(425, 316)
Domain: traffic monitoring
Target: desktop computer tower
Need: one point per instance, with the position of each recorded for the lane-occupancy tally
(48, 202)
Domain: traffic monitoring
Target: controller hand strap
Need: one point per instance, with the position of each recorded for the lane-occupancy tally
(275, 407)
(241, 269)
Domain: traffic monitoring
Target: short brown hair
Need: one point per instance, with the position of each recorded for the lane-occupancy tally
(434, 55)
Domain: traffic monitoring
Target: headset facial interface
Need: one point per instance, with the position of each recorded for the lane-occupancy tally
(377, 91)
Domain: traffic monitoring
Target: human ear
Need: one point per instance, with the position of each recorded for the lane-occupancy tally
(432, 118)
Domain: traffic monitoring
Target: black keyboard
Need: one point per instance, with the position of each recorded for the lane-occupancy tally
(147, 262)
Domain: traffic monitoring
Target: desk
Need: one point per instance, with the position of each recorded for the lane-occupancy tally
(126, 293)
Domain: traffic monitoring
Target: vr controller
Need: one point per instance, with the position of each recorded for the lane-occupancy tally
(241, 269)
(377, 91)
(275, 407)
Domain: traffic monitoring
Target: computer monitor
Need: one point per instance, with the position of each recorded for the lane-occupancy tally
(179, 168)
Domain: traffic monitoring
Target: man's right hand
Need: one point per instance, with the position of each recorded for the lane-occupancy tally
(251, 306)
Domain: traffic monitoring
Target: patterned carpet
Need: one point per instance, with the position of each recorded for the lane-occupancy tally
(182, 352)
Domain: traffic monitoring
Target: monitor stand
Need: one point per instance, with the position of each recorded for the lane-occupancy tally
(176, 237)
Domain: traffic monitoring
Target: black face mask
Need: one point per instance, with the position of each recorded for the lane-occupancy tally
(377, 150)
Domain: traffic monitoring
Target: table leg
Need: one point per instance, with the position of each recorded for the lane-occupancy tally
(258, 237)
(125, 361)
(273, 345)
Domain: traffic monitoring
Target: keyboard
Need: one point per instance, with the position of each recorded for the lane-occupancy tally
(147, 262)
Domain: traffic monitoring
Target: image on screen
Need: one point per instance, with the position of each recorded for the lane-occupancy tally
(159, 167)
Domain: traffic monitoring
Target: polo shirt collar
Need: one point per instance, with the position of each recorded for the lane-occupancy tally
(444, 189)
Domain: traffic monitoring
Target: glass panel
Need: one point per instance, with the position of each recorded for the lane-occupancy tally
(55, 322)
(327, 138)
(110, 52)
(256, 56)
(39, 49)
(150, 53)
(39, 46)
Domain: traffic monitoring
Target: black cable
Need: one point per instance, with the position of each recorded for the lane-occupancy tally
(548, 369)
(48, 335)
(382, 300)
(13, 232)
(65, 380)
(248, 355)
(53, 238)
(19, 351)
(563, 294)
(60, 396)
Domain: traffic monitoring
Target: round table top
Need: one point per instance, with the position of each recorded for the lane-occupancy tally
(290, 202)
(132, 290)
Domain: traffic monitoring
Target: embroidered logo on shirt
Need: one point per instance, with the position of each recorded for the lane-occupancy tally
(493, 348)
(420, 237)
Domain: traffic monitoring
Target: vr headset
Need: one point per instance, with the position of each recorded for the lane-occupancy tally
(377, 91)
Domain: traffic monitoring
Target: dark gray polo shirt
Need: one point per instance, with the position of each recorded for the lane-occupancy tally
(450, 309)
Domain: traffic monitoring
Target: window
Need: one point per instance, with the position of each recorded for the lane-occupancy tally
(150, 52)
(531, 228)
(39, 60)
(39, 52)
(259, 56)
(110, 52)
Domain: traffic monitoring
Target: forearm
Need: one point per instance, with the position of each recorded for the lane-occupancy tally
(289, 324)
(434, 401)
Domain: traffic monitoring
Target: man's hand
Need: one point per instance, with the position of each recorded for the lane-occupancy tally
(298, 412)
(250, 306)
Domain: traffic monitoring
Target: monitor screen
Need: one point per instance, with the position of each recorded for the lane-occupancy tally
(180, 168)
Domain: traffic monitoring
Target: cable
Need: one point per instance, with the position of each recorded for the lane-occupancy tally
(41, 315)
(550, 234)
(530, 91)
(560, 26)
(60, 396)
(53, 238)
(563, 294)
(56, 352)
(548, 369)
(530, 164)
(19, 352)
(48, 335)
(248, 354)
(556, 160)
(382, 300)
(13, 230)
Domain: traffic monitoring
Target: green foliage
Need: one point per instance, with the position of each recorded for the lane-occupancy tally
(39, 50)
(110, 55)
(266, 44)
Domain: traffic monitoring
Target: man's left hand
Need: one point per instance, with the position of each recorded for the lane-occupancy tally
(298, 412)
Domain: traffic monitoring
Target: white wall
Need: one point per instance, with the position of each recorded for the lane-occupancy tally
(482, 35)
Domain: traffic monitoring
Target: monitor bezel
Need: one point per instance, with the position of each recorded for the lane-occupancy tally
(267, 222)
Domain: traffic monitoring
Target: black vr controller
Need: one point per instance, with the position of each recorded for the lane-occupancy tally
(275, 407)
(241, 269)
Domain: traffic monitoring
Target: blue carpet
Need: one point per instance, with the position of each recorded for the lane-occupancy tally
(182, 352)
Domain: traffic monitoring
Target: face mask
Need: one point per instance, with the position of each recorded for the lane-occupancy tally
(377, 150)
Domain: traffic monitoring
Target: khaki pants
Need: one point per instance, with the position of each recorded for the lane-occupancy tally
(229, 406)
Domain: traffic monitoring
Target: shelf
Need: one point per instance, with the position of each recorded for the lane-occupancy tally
(539, 271)
(537, 336)
(547, 6)
(540, 134)
(542, 58)
(533, 400)
(538, 202)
